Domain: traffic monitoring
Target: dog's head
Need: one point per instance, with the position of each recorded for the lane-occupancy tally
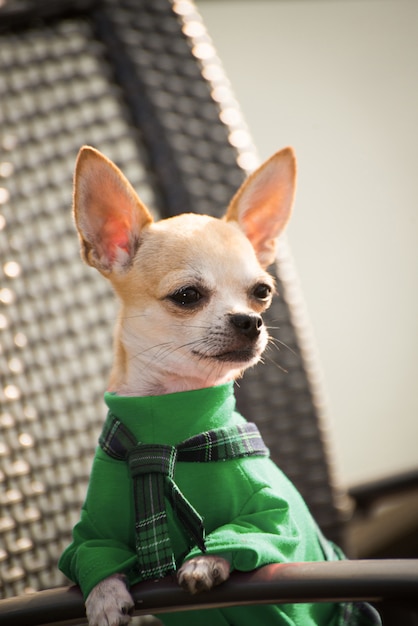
(192, 287)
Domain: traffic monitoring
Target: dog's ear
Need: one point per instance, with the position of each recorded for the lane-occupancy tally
(109, 215)
(263, 204)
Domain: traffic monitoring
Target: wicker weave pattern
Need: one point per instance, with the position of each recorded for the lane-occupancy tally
(126, 78)
(56, 316)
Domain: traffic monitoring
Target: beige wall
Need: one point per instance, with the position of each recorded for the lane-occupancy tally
(338, 80)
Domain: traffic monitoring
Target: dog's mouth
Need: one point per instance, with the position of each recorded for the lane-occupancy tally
(230, 356)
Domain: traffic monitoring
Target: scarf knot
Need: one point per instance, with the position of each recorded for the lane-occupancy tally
(147, 458)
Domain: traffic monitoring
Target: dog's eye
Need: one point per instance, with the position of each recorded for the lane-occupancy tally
(262, 291)
(186, 296)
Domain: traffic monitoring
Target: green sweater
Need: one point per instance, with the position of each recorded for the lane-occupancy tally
(252, 514)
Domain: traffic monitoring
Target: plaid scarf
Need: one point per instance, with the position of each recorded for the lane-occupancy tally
(152, 469)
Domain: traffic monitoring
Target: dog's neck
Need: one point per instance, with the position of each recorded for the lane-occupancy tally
(152, 387)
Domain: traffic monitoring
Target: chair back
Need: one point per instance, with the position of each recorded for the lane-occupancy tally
(141, 82)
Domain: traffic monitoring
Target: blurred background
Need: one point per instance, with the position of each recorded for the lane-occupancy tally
(337, 79)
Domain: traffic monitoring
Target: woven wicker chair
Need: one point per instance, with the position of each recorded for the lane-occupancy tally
(139, 80)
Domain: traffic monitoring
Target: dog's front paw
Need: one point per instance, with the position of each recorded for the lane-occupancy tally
(202, 573)
(109, 603)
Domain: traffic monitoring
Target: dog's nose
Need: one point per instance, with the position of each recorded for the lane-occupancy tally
(247, 324)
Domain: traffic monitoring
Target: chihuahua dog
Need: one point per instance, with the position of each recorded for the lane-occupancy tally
(192, 290)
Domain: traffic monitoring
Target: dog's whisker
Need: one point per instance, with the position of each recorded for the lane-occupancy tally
(161, 351)
(266, 357)
(160, 347)
(205, 327)
(269, 327)
(277, 343)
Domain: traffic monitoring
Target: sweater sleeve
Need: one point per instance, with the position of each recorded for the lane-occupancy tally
(266, 531)
(102, 540)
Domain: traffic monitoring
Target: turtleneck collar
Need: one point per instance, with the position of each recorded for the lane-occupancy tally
(174, 417)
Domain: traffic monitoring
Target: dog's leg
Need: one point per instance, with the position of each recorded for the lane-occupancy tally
(109, 603)
(202, 573)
